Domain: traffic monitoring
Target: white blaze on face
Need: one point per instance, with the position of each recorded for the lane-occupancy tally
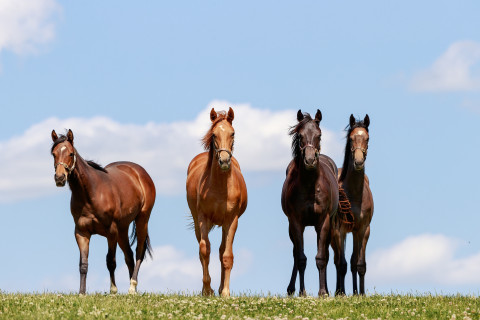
(63, 148)
(221, 127)
(361, 132)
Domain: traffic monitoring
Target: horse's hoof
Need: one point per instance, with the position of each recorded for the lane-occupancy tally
(291, 291)
(302, 293)
(323, 294)
(208, 292)
(133, 287)
(113, 289)
(225, 293)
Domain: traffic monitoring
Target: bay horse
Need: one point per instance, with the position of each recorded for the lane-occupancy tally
(309, 197)
(105, 201)
(216, 195)
(354, 181)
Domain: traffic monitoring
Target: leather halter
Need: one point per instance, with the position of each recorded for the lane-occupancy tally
(364, 151)
(309, 145)
(69, 170)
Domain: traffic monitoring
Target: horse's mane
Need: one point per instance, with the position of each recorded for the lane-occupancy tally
(348, 147)
(294, 132)
(207, 140)
(93, 164)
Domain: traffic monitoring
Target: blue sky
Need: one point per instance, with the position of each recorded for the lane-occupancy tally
(136, 83)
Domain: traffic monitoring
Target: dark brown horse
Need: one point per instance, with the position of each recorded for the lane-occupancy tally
(309, 197)
(355, 182)
(105, 201)
(216, 195)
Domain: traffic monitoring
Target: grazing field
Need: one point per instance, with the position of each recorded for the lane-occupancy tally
(153, 306)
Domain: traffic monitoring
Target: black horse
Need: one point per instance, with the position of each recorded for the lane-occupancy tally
(309, 197)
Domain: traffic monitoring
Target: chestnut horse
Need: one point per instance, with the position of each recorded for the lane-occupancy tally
(355, 182)
(216, 195)
(309, 197)
(105, 201)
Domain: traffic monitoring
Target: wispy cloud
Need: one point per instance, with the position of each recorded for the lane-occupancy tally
(164, 149)
(427, 259)
(26, 25)
(457, 69)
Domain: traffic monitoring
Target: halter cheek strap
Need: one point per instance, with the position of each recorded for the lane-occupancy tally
(69, 170)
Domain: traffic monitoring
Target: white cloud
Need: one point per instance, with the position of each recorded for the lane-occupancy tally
(457, 69)
(169, 270)
(25, 25)
(427, 259)
(163, 149)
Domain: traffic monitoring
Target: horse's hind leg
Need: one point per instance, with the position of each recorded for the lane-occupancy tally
(83, 242)
(300, 260)
(127, 251)
(227, 257)
(338, 245)
(204, 253)
(143, 244)
(112, 263)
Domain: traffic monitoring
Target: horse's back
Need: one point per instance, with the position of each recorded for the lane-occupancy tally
(125, 173)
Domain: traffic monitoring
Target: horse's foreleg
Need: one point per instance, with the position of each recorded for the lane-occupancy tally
(300, 260)
(354, 260)
(221, 250)
(323, 242)
(362, 264)
(227, 258)
(83, 242)
(204, 253)
(112, 263)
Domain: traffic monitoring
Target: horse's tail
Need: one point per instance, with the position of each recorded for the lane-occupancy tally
(133, 237)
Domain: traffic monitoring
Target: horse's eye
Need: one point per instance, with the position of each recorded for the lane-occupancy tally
(71, 154)
(233, 134)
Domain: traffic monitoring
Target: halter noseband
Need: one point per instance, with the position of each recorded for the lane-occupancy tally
(69, 170)
(364, 151)
(309, 145)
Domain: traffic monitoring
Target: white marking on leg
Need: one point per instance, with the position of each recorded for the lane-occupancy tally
(133, 287)
(113, 288)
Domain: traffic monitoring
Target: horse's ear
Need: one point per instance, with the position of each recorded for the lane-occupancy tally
(213, 115)
(318, 116)
(70, 136)
(230, 115)
(299, 115)
(366, 121)
(54, 136)
(352, 121)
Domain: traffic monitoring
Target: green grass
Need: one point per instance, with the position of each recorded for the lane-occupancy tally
(153, 306)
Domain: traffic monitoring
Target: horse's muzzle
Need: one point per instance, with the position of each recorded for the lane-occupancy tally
(224, 164)
(60, 180)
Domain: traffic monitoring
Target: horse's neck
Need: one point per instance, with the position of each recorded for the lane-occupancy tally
(353, 183)
(217, 176)
(80, 180)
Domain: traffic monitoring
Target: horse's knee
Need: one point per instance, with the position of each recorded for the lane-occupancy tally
(111, 263)
(321, 262)
(83, 267)
(227, 261)
(362, 269)
(302, 262)
(204, 248)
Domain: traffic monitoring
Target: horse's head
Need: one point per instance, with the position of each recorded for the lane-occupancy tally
(306, 138)
(358, 135)
(222, 137)
(64, 157)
